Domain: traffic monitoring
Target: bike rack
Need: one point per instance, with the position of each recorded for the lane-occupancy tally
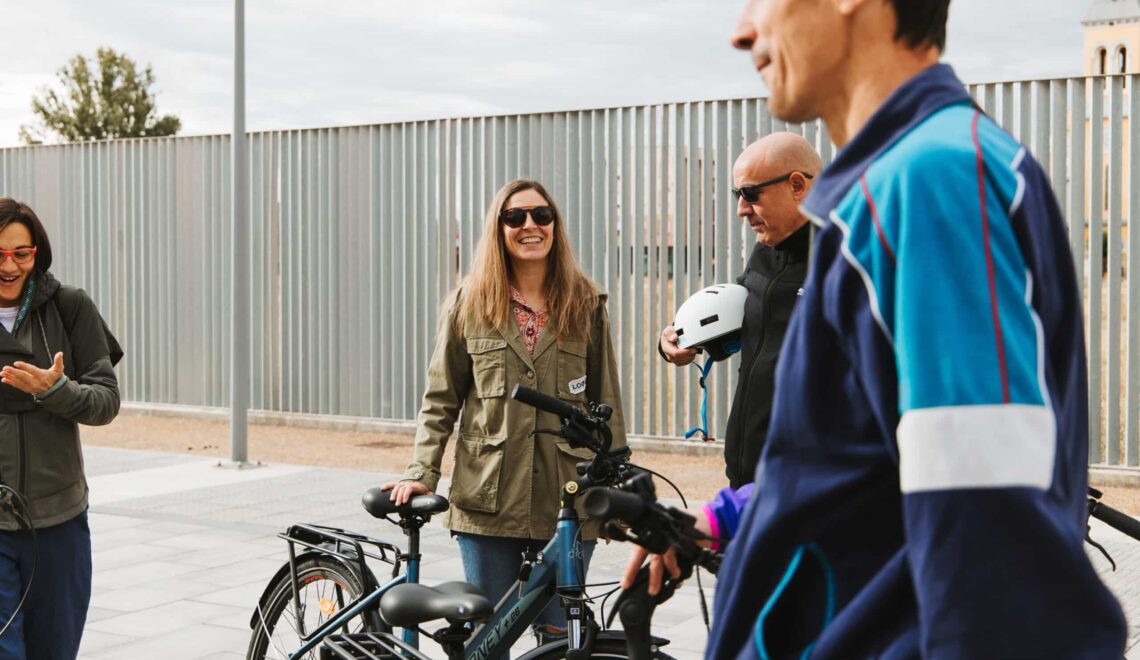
(345, 545)
(369, 646)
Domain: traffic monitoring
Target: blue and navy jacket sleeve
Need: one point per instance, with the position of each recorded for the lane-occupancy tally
(941, 229)
(723, 513)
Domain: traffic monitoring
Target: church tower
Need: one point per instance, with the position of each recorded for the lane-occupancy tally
(1112, 37)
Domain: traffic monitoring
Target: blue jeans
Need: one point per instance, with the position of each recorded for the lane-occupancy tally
(50, 624)
(492, 563)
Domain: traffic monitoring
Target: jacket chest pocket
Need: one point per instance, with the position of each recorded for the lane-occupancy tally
(572, 370)
(488, 366)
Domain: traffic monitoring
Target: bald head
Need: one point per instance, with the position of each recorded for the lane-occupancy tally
(779, 152)
(775, 173)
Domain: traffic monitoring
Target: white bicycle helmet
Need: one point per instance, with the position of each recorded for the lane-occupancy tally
(711, 320)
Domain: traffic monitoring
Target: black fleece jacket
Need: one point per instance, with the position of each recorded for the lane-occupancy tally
(774, 278)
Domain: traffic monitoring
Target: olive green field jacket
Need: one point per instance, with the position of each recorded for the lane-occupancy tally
(507, 478)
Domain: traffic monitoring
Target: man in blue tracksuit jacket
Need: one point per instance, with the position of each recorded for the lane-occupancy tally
(922, 491)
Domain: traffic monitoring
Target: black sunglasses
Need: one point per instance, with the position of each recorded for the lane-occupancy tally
(751, 194)
(515, 218)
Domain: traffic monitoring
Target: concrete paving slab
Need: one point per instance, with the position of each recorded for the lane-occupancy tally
(129, 554)
(182, 555)
(189, 643)
(95, 641)
(152, 481)
(138, 598)
(141, 574)
(161, 620)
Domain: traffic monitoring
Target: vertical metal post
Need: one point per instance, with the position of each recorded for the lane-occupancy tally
(239, 253)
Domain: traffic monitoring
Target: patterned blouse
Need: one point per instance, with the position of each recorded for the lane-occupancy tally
(531, 321)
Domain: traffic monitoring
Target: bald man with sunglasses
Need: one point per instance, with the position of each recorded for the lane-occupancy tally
(770, 178)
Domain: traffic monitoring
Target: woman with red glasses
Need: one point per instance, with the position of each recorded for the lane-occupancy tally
(56, 372)
(526, 314)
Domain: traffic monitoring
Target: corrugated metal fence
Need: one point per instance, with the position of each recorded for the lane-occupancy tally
(358, 232)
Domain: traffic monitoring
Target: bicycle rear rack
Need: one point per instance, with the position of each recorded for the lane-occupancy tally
(368, 646)
(342, 544)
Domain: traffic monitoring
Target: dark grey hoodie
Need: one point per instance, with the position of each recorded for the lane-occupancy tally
(39, 440)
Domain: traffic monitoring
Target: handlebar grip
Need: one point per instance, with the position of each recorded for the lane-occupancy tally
(545, 402)
(607, 503)
(1117, 520)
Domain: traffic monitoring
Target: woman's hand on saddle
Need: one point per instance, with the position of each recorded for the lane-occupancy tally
(30, 378)
(402, 491)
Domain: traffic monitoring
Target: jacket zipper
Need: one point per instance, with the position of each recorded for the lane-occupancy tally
(23, 475)
(756, 356)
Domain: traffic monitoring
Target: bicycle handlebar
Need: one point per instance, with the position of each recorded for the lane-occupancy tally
(547, 403)
(607, 504)
(1118, 520)
(654, 526)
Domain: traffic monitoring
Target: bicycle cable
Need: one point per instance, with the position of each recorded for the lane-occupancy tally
(24, 519)
(684, 502)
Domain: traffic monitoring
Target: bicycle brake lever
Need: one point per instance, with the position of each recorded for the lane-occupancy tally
(617, 533)
(1103, 550)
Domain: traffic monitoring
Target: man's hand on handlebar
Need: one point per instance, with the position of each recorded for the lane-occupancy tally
(402, 491)
(658, 564)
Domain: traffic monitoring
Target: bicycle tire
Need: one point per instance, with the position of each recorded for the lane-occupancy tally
(323, 577)
(612, 649)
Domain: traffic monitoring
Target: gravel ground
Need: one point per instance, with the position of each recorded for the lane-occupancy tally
(699, 477)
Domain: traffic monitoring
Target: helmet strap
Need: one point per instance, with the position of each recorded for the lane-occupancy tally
(703, 428)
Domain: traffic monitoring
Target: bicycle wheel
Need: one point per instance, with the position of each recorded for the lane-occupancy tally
(603, 648)
(326, 587)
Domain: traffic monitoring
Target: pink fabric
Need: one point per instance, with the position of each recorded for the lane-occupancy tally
(531, 321)
(714, 526)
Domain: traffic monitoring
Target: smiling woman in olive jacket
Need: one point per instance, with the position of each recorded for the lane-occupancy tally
(56, 359)
(526, 314)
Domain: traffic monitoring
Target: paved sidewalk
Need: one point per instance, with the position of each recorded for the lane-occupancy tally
(183, 550)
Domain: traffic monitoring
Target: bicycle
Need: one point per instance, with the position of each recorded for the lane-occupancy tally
(330, 580)
(556, 572)
(355, 614)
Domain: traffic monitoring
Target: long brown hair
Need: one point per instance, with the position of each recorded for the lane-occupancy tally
(571, 295)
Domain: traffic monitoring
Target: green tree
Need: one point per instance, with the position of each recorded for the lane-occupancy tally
(101, 99)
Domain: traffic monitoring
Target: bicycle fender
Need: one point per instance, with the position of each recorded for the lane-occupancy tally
(283, 573)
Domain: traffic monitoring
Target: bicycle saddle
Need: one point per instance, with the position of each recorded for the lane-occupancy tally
(408, 605)
(379, 504)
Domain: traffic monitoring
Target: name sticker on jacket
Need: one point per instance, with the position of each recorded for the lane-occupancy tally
(577, 386)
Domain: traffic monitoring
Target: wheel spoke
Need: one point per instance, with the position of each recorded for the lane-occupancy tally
(324, 590)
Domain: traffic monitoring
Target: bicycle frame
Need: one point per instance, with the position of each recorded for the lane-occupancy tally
(317, 636)
(557, 574)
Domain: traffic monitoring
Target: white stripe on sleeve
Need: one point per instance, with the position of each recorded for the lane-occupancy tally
(990, 446)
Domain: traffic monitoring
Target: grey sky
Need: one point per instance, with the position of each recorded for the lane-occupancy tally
(327, 63)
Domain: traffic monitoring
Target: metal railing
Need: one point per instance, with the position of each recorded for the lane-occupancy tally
(358, 232)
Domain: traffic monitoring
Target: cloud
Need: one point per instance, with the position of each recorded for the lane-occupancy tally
(312, 64)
